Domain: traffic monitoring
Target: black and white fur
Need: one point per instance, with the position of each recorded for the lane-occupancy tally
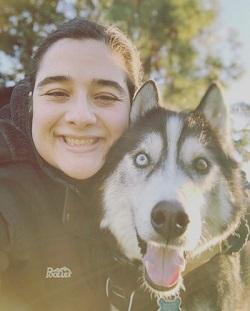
(180, 161)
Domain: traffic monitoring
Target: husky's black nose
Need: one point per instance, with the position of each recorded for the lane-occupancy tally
(169, 219)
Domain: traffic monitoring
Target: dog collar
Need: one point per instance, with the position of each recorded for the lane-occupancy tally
(138, 300)
(125, 300)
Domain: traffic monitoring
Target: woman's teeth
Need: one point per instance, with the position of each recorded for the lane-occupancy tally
(79, 141)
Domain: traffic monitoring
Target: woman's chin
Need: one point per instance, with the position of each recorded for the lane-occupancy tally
(83, 171)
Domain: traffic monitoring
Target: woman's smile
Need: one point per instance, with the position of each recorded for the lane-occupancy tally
(82, 144)
(80, 141)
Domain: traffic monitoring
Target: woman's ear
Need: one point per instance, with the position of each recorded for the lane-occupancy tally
(145, 99)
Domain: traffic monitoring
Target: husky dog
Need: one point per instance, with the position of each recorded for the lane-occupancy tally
(172, 191)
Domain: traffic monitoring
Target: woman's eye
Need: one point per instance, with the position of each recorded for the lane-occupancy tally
(57, 94)
(105, 99)
(201, 165)
(142, 160)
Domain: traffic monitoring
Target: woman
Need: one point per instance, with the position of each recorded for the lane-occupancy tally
(55, 135)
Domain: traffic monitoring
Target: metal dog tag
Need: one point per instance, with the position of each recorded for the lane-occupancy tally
(169, 305)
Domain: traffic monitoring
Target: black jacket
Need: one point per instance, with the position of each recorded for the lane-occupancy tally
(51, 254)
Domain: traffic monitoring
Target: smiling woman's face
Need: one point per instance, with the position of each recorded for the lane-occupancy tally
(81, 105)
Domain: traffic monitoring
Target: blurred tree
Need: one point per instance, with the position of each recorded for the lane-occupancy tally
(175, 38)
(22, 24)
(240, 114)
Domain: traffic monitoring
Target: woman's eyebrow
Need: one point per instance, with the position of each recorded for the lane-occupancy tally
(111, 83)
(53, 79)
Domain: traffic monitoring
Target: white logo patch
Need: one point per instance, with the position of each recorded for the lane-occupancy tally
(55, 273)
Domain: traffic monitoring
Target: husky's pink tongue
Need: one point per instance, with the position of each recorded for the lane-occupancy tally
(163, 265)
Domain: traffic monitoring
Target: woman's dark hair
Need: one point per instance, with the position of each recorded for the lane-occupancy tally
(83, 29)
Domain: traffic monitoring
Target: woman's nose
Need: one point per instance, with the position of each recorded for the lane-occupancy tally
(80, 111)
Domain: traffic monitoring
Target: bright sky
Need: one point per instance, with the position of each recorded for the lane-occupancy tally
(235, 14)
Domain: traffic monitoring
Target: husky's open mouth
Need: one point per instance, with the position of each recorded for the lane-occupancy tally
(162, 265)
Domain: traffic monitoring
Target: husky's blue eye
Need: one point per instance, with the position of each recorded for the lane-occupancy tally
(142, 160)
(201, 165)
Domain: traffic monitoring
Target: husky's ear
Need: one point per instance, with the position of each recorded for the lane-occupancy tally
(146, 98)
(215, 109)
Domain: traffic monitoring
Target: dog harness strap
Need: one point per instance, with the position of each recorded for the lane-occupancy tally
(238, 240)
(234, 243)
(137, 300)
